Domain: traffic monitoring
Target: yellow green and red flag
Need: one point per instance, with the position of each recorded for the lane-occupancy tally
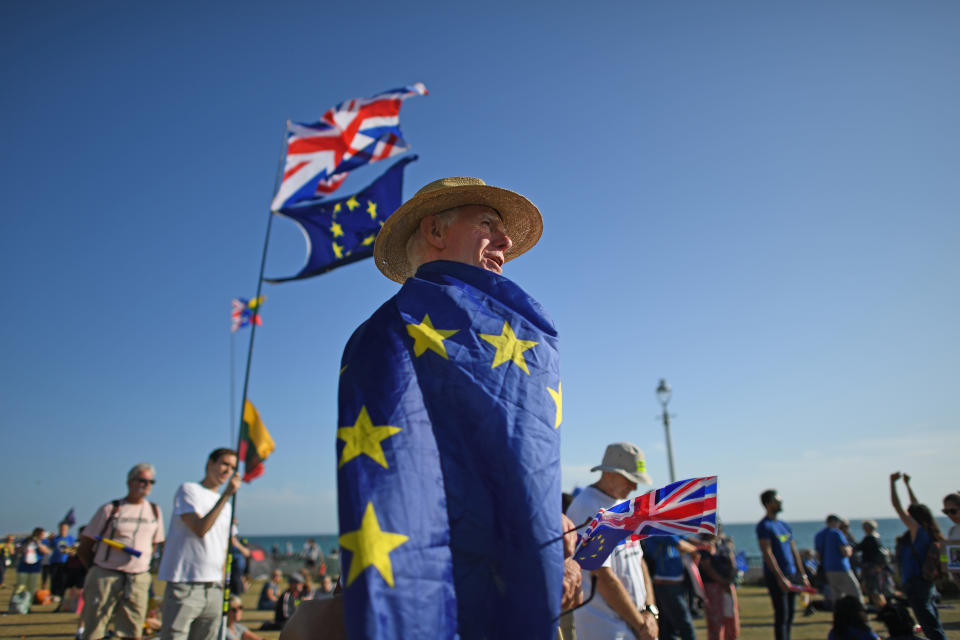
(255, 443)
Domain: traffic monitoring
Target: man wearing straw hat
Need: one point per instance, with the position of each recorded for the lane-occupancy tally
(448, 440)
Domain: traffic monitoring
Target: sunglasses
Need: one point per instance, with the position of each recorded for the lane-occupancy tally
(950, 511)
(239, 607)
(145, 481)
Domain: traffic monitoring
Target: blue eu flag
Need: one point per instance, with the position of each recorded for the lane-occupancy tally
(449, 462)
(342, 231)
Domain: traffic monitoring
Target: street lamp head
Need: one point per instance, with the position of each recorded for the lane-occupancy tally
(663, 392)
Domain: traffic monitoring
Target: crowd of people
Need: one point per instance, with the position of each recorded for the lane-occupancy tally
(846, 569)
(105, 575)
(461, 498)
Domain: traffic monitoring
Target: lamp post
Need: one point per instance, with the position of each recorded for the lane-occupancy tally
(663, 395)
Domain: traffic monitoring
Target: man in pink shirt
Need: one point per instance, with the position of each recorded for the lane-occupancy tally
(118, 581)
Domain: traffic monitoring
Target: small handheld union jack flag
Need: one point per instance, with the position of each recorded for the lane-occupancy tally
(681, 508)
(243, 312)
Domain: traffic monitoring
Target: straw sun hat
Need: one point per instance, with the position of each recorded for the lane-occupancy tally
(520, 217)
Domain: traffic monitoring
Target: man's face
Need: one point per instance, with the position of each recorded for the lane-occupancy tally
(624, 487)
(952, 510)
(141, 484)
(277, 576)
(220, 470)
(64, 530)
(776, 503)
(477, 237)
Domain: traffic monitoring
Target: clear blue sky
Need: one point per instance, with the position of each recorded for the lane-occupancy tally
(757, 202)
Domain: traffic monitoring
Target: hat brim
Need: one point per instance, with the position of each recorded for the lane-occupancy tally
(522, 220)
(639, 478)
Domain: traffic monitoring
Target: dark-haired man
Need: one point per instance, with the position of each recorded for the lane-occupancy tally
(196, 550)
(835, 552)
(782, 566)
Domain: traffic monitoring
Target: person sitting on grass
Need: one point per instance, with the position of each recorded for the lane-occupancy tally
(899, 622)
(288, 603)
(271, 592)
(850, 621)
(235, 630)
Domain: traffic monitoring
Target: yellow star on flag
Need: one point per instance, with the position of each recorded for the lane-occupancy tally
(509, 348)
(368, 240)
(336, 208)
(371, 547)
(557, 398)
(352, 203)
(336, 230)
(337, 250)
(365, 438)
(426, 337)
(372, 209)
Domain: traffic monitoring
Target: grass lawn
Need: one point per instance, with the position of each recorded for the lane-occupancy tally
(756, 618)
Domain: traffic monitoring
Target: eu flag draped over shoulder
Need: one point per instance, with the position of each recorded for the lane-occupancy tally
(681, 508)
(342, 231)
(449, 462)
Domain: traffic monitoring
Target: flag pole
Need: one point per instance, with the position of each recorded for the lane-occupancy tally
(233, 384)
(246, 375)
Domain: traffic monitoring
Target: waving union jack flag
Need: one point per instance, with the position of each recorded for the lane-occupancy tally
(350, 135)
(682, 508)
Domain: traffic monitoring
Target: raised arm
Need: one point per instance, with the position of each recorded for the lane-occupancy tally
(906, 483)
(907, 520)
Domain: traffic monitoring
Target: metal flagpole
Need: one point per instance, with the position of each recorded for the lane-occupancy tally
(233, 385)
(246, 375)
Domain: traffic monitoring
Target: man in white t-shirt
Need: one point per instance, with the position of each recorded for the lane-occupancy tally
(195, 552)
(118, 582)
(624, 604)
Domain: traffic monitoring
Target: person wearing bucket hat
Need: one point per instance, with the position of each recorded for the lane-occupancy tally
(626, 602)
(449, 412)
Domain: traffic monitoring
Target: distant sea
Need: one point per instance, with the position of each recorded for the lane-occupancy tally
(743, 534)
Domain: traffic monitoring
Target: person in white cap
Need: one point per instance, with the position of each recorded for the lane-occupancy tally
(624, 603)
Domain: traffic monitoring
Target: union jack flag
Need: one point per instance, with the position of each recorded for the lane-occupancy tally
(243, 312)
(681, 508)
(349, 135)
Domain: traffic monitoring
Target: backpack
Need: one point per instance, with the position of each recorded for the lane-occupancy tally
(932, 568)
(21, 600)
(87, 546)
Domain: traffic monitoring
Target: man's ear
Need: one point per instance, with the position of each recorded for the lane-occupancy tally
(430, 229)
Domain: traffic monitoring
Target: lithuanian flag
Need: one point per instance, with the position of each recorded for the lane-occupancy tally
(255, 443)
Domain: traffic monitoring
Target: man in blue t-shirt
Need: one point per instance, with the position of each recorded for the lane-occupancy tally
(835, 551)
(61, 547)
(782, 566)
(667, 568)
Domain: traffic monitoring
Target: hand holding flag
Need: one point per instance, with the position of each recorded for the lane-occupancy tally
(681, 508)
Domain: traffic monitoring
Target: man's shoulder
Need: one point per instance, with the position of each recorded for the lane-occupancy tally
(586, 504)
(372, 326)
